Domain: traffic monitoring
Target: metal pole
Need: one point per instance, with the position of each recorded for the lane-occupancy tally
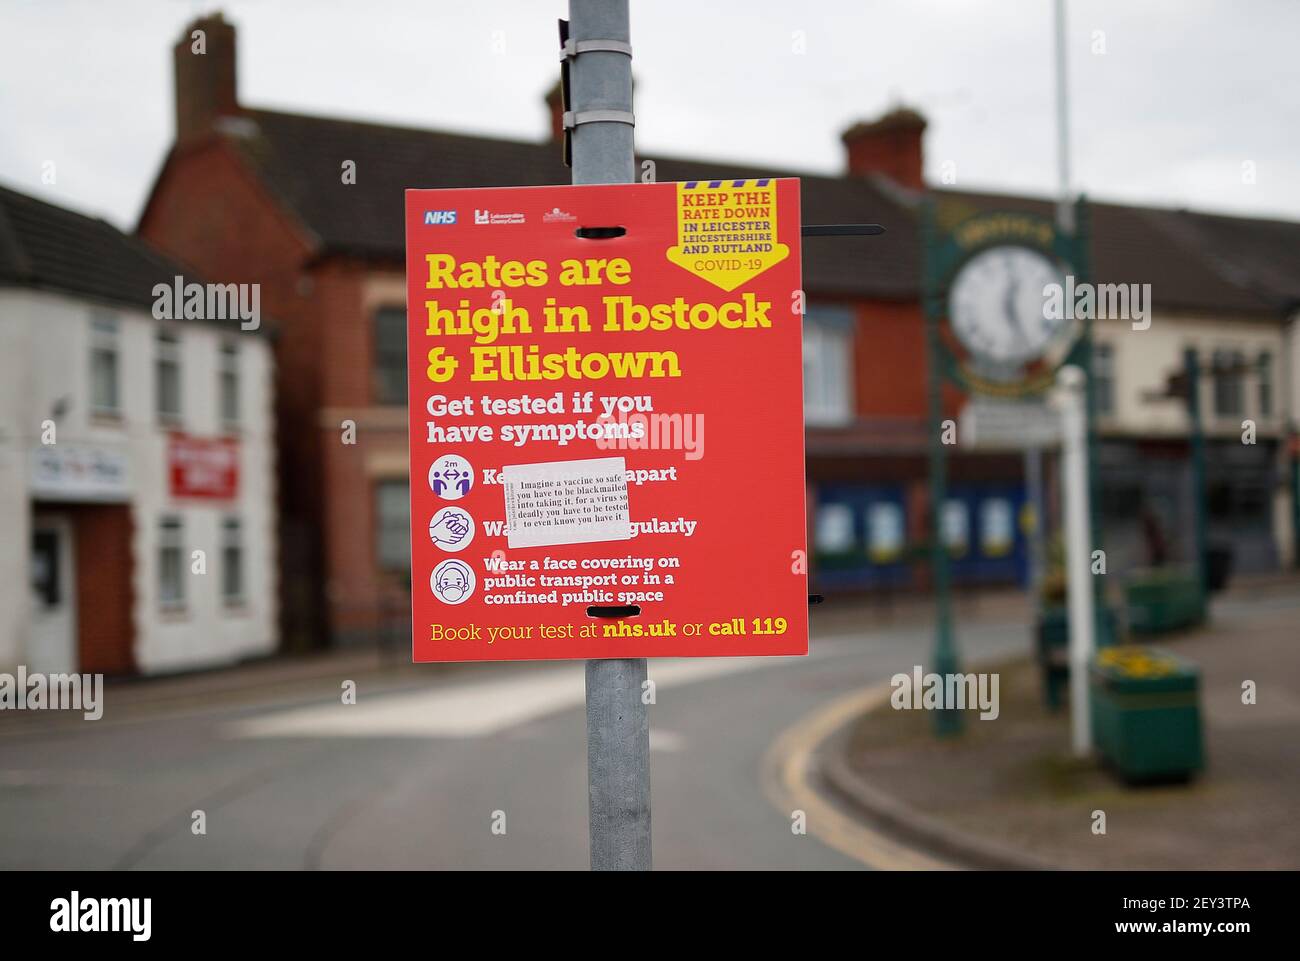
(1064, 207)
(618, 727)
(1037, 552)
(1074, 238)
(947, 720)
(1078, 539)
(1192, 371)
(1294, 442)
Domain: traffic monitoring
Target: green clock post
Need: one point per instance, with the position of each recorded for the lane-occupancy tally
(989, 333)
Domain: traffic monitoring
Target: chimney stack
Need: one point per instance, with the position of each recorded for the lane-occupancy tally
(890, 146)
(204, 58)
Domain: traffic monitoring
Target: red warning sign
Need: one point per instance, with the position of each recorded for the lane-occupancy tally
(606, 431)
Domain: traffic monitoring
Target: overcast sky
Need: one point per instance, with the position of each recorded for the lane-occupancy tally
(1184, 94)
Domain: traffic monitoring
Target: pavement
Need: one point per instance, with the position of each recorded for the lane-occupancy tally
(412, 775)
(1008, 793)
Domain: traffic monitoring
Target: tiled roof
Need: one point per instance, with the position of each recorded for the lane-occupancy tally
(1193, 261)
(1140, 245)
(45, 246)
(301, 158)
(1264, 255)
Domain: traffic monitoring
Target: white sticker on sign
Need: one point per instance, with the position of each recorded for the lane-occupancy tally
(566, 502)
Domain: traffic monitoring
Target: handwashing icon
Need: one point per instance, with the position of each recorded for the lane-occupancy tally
(451, 529)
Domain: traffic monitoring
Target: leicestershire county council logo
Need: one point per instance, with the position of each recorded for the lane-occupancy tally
(493, 217)
(439, 218)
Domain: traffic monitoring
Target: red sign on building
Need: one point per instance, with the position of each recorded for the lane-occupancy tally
(606, 429)
(203, 467)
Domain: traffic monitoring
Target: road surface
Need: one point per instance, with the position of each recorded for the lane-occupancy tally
(418, 772)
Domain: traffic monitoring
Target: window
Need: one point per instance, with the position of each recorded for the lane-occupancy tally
(1120, 499)
(393, 526)
(232, 561)
(954, 522)
(1103, 378)
(885, 527)
(1228, 370)
(1265, 384)
(1240, 502)
(45, 568)
(997, 529)
(171, 583)
(828, 365)
(834, 531)
(228, 384)
(1218, 500)
(390, 355)
(168, 376)
(105, 395)
(1251, 505)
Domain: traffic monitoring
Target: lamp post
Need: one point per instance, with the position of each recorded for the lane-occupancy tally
(947, 720)
(1192, 379)
(618, 738)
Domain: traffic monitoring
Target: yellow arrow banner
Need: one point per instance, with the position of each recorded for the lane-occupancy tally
(726, 230)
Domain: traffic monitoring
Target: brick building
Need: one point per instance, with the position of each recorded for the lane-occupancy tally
(311, 208)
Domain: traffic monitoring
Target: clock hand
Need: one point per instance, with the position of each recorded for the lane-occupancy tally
(1009, 311)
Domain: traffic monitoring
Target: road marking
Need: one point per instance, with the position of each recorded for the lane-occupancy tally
(50, 777)
(787, 781)
(476, 709)
(667, 742)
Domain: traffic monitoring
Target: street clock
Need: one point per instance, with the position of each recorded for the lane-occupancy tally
(992, 330)
(996, 308)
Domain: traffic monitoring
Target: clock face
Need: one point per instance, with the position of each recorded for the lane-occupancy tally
(997, 307)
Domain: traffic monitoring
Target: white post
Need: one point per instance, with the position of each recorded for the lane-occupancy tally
(1078, 549)
(1064, 207)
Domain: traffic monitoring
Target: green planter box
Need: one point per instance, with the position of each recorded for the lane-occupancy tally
(1146, 715)
(1053, 648)
(1164, 600)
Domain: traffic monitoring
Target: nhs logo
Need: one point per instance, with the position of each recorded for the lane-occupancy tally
(434, 218)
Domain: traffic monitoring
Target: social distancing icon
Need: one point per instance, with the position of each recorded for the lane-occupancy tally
(451, 477)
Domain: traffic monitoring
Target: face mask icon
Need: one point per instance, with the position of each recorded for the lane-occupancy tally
(452, 582)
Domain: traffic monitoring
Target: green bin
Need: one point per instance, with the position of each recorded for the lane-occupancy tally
(1164, 599)
(1052, 634)
(1146, 716)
